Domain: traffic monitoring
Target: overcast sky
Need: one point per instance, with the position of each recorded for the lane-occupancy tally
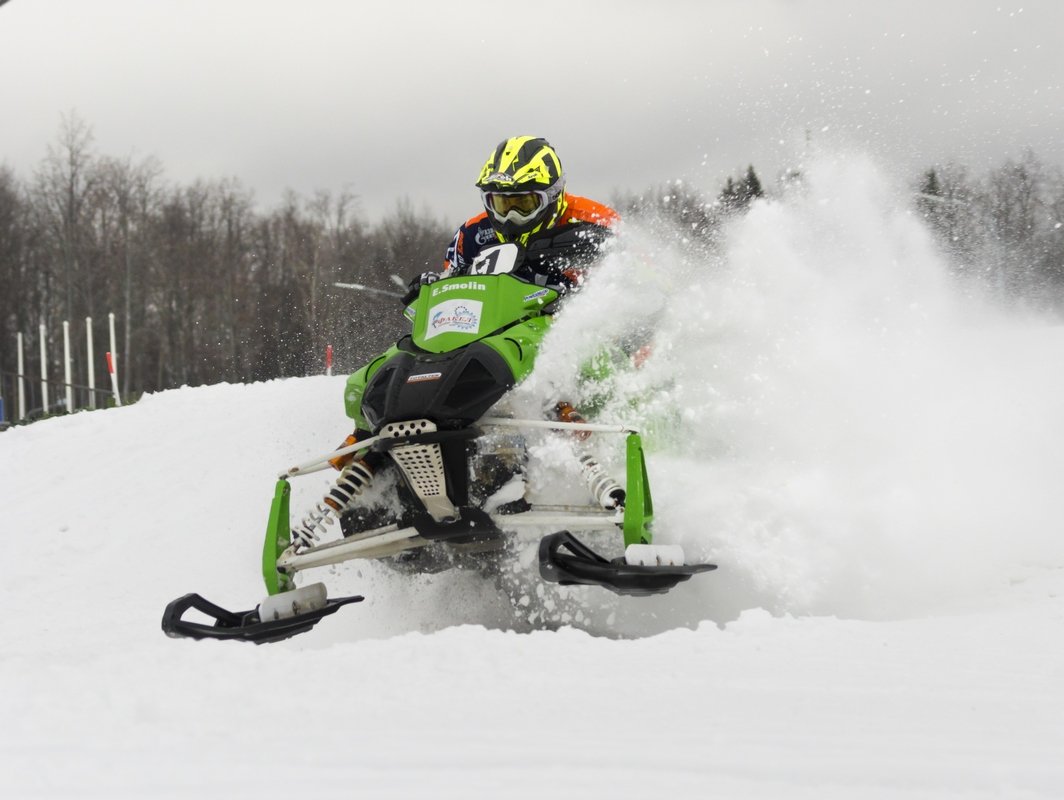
(406, 99)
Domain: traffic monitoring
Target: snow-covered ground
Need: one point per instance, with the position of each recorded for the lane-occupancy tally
(871, 453)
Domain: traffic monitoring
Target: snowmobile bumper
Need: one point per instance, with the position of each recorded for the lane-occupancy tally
(582, 565)
(247, 626)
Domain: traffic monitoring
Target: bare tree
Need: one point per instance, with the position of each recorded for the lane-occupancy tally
(62, 190)
(950, 202)
(1011, 200)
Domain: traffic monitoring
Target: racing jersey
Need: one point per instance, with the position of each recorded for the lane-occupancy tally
(571, 243)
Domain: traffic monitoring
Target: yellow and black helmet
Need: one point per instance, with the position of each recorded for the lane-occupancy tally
(523, 186)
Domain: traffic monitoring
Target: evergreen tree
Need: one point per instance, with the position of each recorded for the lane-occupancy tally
(752, 186)
(737, 195)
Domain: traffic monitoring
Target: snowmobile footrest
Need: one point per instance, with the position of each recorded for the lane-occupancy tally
(474, 525)
(582, 565)
(242, 625)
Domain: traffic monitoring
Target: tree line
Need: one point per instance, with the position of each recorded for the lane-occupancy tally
(1006, 228)
(207, 288)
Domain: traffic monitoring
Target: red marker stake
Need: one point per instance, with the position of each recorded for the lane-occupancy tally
(114, 377)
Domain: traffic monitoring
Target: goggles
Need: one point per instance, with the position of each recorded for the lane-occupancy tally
(519, 207)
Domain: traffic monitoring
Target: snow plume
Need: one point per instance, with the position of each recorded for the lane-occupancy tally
(834, 420)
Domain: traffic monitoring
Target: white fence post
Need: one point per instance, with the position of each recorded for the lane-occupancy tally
(44, 370)
(21, 381)
(114, 355)
(67, 372)
(92, 366)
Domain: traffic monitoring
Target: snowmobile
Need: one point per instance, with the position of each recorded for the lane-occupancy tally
(424, 409)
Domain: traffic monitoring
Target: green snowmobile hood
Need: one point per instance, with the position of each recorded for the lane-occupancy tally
(499, 311)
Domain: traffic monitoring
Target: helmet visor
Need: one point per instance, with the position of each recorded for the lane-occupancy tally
(515, 206)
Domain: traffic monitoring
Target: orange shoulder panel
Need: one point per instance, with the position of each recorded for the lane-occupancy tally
(459, 244)
(583, 209)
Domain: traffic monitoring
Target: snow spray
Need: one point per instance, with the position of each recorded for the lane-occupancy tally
(855, 432)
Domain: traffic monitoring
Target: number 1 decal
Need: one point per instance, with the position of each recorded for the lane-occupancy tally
(498, 260)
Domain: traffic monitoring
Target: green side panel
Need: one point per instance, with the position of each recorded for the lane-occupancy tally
(600, 367)
(598, 377)
(278, 536)
(520, 344)
(639, 506)
(356, 387)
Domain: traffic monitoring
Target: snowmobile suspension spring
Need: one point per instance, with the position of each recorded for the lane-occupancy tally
(354, 479)
(603, 488)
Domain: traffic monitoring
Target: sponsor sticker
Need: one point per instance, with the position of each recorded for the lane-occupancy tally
(450, 287)
(454, 316)
(424, 376)
(534, 295)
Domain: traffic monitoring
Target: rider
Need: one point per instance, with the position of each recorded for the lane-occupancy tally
(522, 186)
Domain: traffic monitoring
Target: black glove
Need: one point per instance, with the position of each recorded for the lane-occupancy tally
(561, 281)
(414, 287)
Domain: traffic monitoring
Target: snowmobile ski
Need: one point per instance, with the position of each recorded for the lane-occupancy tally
(582, 565)
(269, 622)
